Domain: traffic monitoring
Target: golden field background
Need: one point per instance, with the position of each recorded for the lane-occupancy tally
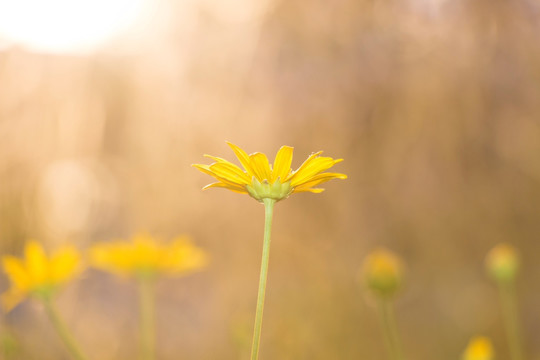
(433, 104)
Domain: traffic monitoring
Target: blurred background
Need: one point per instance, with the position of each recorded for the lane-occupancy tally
(433, 104)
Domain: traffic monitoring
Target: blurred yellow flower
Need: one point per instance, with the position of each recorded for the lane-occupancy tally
(261, 180)
(144, 256)
(382, 272)
(479, 348)
(37, 274)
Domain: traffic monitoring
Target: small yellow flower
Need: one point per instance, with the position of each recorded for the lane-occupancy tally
(382, 272)
(261, 180)
(479, 348)
(502, 263)
(38, 275)
(144, 256)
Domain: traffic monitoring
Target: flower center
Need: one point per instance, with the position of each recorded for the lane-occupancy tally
(264, 190)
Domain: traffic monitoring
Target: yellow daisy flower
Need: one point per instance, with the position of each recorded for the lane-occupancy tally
(37, 274)
(261, 180)
(479, 348)
(145, 256)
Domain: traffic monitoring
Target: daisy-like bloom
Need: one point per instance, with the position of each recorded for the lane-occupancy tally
(37, 274)
(261, 180)
(268, 184)
(479, 348)
(145, 256)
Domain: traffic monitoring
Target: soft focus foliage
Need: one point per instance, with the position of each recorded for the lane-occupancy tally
(37, 274)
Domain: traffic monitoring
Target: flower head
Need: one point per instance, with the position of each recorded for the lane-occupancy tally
(502, 263)
(37, 274)
(479, 348)
(144, 256)
(261, 180)
(382, 272)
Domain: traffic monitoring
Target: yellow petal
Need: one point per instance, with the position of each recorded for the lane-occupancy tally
(206, 169)
(37, 264)
(16, 272)
(282, 163)
(238, 189)
(230, 172)
(316, 166)
(111, 257)
(260, 166)
(311, 190)
(65, 264)
(182, 256)
(145, 251)
(243, 157)
(318, 179)
(215, 158)
(304, 164)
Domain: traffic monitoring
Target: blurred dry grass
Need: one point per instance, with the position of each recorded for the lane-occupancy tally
(433, 104)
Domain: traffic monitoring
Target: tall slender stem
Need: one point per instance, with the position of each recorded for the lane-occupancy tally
(268, 212)
(62, 329)
(147, 317)
(389, 327)
(510, 318)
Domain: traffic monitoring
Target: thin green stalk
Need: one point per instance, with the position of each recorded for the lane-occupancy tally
(147, 317)
(62, 329)
(510, 318)
(268, 212)
(389, 327)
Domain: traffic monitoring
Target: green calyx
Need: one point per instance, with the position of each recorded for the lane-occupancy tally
(43, 292)
(504, 270)
(384, 285)
(145, 273)
(264, 190)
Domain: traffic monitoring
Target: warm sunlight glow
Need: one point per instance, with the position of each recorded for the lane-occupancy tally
(65, 25)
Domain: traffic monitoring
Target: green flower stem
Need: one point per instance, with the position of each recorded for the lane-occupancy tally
(62, 329)
(389, 327)
(147, 317)
(268, 212)
(510, 318)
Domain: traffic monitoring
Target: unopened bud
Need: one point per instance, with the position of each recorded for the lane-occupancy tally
(382, 272)
(502, 263)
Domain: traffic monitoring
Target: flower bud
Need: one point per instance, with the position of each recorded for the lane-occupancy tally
(479, 348)
(502, 263)
(382, 272)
